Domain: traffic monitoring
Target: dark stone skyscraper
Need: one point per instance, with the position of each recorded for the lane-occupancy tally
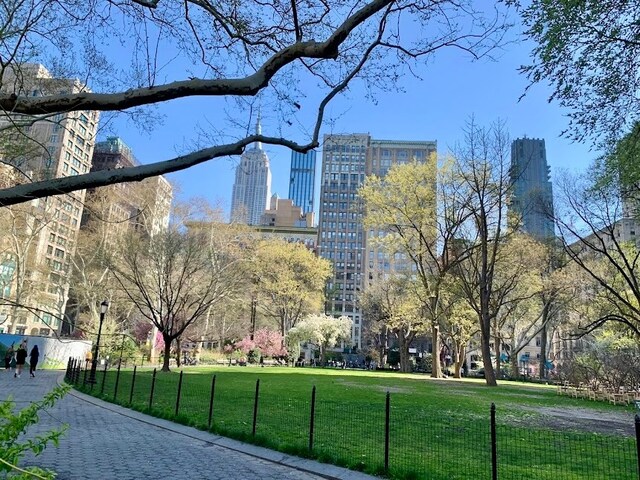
(532, 198)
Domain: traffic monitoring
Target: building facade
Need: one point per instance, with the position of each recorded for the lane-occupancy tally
(532, 198)
(146, 205)
(39, 237)
(252, 186)
(302, 180)
(342, 239)
(282, 212)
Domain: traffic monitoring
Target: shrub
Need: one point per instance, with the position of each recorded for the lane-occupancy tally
(14, 425)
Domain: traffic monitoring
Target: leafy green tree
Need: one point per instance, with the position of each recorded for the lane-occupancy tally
(418, 210)
(290, 281)
(589, 52)
(400, 312)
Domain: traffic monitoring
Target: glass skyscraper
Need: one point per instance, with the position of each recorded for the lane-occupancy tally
(302, 181)
(532, 198)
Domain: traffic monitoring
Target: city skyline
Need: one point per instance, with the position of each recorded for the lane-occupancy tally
(433, 104)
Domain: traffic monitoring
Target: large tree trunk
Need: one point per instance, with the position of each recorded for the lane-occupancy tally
(167, 353)
(515, 371)
(485, 341)
(383, 347)
(458, 358)
(178, 352)
(497, 348)
(405, 364)
(543, 342)
(436, 365)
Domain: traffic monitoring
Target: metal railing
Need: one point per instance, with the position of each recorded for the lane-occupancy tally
(390, 438)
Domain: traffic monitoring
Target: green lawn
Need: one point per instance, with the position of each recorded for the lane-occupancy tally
(438, 429)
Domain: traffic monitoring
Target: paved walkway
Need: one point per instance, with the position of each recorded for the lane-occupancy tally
(105, 441)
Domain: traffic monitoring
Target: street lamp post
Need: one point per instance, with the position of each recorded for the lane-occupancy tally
(104, 306)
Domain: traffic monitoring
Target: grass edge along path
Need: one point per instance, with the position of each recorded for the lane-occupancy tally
(436, 430)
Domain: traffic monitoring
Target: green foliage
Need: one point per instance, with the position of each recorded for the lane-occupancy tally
(588, 51)
(14, 425)
(120, 345)
(619, 170)
(291, 279)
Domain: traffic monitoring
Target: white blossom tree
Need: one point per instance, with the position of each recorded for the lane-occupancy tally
(323, 331)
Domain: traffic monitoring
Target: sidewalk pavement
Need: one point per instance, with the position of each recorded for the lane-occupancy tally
(106, 441)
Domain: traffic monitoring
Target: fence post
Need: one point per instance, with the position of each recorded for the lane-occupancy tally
(637, 421)
(386, 432)
(66, 373)
(255, 407)
(104, 376)
(84, 378)
(494, 447)
(133, 382)
(115, 390)
(312, 418)
(78, 370)
(179, 391)
(69, 367)
(153, 387)
(142, 361)
(213, 391)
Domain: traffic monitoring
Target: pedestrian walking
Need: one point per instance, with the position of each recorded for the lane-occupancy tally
(8, 356)
(33, 360)
(21, 358)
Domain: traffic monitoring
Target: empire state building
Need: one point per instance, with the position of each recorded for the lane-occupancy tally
(252, 186)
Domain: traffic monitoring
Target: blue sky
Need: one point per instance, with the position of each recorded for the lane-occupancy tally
(435, 107)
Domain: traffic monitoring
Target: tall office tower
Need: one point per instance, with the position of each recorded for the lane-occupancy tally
(346, 159)
(252, 187)
(532, 198)
(383, 154)
(39, 237)
(303, 177)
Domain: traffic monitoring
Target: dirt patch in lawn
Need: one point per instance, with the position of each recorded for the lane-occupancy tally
(581, 419)
(382, 388)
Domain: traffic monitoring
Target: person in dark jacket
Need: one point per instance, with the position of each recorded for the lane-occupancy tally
(21, 358)
(33, 360)
(8, 356)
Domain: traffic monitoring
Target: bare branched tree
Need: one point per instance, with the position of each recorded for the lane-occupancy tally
(175, 277)
(285, 53)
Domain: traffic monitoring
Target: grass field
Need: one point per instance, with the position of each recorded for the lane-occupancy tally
(439, 429)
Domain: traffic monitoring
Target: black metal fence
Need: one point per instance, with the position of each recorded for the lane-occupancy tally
(391, 438)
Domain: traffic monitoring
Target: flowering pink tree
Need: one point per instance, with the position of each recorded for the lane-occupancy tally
(159, 343)
(245, 345)
(270, 343)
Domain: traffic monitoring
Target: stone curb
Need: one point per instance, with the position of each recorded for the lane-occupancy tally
(309, 466)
